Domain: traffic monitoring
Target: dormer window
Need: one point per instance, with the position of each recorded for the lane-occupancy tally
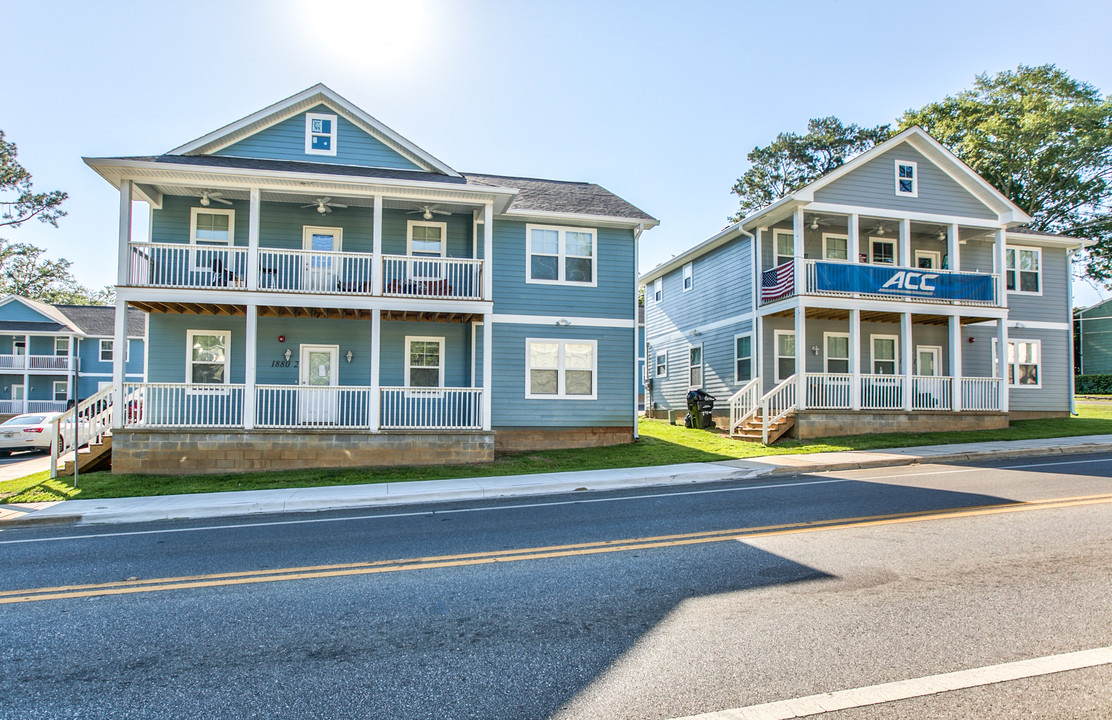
(907, 179)
(320, 134)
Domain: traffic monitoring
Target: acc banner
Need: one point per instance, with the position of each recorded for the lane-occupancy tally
(903, 282)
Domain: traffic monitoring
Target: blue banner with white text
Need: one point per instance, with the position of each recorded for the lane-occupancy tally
(902, 282)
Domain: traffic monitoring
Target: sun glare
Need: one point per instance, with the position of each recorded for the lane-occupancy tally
(369, 33)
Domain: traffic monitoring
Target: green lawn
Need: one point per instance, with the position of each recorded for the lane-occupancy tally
(660, 444)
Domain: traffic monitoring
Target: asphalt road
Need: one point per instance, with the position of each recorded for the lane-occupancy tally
(654, 604)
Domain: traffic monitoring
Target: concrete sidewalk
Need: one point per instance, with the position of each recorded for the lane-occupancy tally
(259, 502)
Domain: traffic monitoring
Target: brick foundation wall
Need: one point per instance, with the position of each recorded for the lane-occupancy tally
(527, 439)
(169, 452)
(826, 423)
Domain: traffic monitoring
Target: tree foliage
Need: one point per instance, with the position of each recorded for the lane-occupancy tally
(791, 160)
(17, 196)
(1041, 138)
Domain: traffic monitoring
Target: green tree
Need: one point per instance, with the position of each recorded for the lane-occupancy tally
(1044, 140)
(791, 160)
(18, 199)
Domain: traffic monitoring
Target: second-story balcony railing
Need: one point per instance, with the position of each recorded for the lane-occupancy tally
(178, 265)
(34, 362)
(880, 282)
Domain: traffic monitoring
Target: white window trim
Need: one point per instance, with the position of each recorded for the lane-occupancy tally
(776, 356)
(57, 340)
(560, 369)
(413, 391)
(658, 290)
(914, 178)
(54, 390)
(688, 275)
(941, 358)
(561, 255)
(895, 354)
(410, 224)
(656, 365)
(208, 244)
(334, 135)
(308, 231)
(1011, 375)
(894, 242)
(776, 233)
(826, 350)
(826, 254)
(702, 367)
(1016, 270)
(189, 335)
(111, 349)
(737, 357)
(936, 255)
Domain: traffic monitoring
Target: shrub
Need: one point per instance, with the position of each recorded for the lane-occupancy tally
(1093, 385)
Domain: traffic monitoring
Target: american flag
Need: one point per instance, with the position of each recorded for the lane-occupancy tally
(778, 282)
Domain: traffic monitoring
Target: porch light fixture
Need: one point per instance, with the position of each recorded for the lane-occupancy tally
(287, 354)
(348, 356)
(814, 349)
(563, 322)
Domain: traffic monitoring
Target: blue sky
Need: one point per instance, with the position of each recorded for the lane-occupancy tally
(657, 101)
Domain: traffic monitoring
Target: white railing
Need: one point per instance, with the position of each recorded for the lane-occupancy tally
(811, 284)
(441, 278)
(829, 391)
(282, 406)
(776, 404)
(11, 407)
(190, 266)
(932, 392)
(182, 405)
(49, 362)
(980, 394)
(94, 420)
(882, 392)
(13, 362)
(744, 403)
(315, 271)
(432, 408)
(39, 406)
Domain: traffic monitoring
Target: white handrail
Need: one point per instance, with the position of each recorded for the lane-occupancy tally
(287, 406)
(316, 271)
(432, 277)
(980, 394)
(744, 403)
(431, 408)
(211, 405)
(780, 400)
(94, 420)
(179, 265)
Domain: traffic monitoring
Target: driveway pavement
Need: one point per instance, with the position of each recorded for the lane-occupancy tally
(22, 464)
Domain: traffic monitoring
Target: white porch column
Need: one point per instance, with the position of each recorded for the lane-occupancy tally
(855, 358)
(797, 252)
(801, 357)
(376, 274)
(488, 255)
(955, 362)
(854, 242)
(953, 248)
(905, 243)
(250, 363)
(758, 324)
(376, 349)
(26, 372)
(1000, 263)
(253, 240)
(71, 361)
(1002, 361)
(488, 374)
(119, 359)
(907, 351)
(123, 271)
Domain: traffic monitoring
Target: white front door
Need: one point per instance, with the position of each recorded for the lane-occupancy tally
(321, 270)
(318, 398)
(929, 359)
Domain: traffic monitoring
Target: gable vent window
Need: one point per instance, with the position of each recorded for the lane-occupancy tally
(320, 134)
(907, 179)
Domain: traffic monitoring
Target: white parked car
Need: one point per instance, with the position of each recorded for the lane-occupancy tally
(26, 432)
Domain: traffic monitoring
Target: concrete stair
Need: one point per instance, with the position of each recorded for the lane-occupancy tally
(98, 456)
(751, 430)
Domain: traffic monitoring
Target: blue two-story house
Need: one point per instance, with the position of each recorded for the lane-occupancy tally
(874, 299)
(43, 348)
(324, 292)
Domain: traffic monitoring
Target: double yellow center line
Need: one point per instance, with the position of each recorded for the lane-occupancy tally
(533, 553)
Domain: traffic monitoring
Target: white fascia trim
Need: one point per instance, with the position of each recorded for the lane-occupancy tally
(687, 256)
(549, 216)
(700, 329)
(49, 312)
(1067, 243)
(561, 320)
(1027, 325)
(283, 109)
(245, 297)
(874, 212)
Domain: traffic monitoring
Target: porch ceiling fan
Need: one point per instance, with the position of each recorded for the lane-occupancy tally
(817, 221)
(880, 230)
(324, 205)
(207, 196)
(427, 211)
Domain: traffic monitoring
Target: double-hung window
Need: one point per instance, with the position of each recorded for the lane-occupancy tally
(837, 352)
(560, 255)
(886, 354)
(424, 362)
(320, 134)
(835, 247)
(695, 367)
(60, 391)
(561, 369)
(907, 178)
(661, 364)
(1021, 270)
(1024, 363)
(688, 276)
(207, 357)
(426, 240)
(61, 347)
(211, 232)
(106, 348)
(784, 245)
(785, 354)
(743, 358)
(658, 290)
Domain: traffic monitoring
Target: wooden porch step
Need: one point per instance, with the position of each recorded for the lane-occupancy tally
(98, 456)
(752, 431)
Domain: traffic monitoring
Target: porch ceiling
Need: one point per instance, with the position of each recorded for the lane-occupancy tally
(309, 197)
(321, 313)
(878, 316)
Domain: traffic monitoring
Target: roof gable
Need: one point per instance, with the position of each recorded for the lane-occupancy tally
(278, 132)
(21, 309)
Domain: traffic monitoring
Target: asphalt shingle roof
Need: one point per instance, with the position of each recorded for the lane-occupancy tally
(101, 319)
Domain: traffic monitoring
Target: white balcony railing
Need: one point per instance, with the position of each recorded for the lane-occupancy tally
(931, 392)
(314, 271)
(980, 394)
(42, 406)
(427, 277)
(49, 362)
(179, 405)
(432, 408)
(882, 392)
(180, 265)
(11, 407)
(283, 406)
(914, 284)
(834, 391)
(13, 362)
